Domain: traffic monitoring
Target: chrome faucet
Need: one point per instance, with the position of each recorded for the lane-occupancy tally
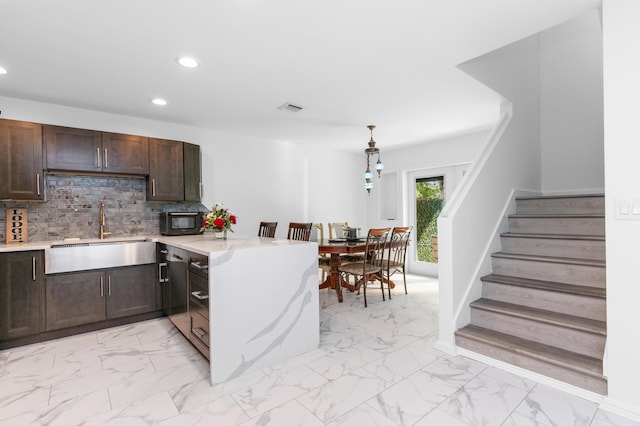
(103, 233)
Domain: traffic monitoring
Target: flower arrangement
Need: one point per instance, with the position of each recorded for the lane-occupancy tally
(218, 219)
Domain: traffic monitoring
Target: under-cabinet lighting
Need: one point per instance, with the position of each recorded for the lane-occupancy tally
(158, 101)
(3, 70)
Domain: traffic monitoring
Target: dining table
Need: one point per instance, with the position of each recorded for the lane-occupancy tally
(336, 248)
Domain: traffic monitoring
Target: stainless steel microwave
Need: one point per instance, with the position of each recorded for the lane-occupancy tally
(180, 223)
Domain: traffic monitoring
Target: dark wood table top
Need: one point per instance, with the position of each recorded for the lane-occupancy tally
(341, 246)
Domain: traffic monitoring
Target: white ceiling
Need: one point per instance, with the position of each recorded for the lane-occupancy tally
(348, 63)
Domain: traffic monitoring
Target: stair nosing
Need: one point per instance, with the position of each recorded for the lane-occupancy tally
(580, 237)
(542, 316)
(556, 215)
(549, 259)
(545, 353)
(586, 291)
(556, 197)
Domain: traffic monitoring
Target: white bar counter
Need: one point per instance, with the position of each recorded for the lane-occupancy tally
(263, 300)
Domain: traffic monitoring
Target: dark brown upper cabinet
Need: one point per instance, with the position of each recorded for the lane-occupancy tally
(192, 172)
(21, 163)
(81, 150)
(166, 172)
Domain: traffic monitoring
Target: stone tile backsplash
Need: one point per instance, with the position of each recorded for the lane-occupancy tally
(72, 208)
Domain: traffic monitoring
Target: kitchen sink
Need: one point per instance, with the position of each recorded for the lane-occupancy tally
(81, 256)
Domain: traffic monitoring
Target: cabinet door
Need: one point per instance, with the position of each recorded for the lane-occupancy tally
(131, 291)
(21, 278)
(192, 173)
(75, 298)
(21, 161)
(126, 154)
(166, 180)
(73, 149)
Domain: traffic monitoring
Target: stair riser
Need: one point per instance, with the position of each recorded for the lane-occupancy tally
(592, 276)
(574, 249)
(594, 308)
(594, 384)
(570, 205)
(578, 341)
(558, 225)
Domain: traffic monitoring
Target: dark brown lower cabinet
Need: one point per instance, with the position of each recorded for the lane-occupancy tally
(131, 291)
(78, 298)
(21, 279)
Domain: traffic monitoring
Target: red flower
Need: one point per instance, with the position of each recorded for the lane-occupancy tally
(218, 222)
(232, 218)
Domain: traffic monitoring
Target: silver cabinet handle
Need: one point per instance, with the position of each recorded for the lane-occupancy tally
(153, 187)
(38, 183)
(98, 157)
(106, 159)
(33, 268)
(160, 276)
(109, 285)
(200, 189)
(198, 295)
(101, 287)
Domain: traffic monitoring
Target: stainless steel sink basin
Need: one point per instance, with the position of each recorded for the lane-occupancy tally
(80, 256)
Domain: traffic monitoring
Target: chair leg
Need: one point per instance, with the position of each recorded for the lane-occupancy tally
(404, 277)
(382, 287)
(364, 290)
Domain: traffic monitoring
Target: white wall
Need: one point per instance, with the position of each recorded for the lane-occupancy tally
(256, 179)
(571, 107)
(622, 174)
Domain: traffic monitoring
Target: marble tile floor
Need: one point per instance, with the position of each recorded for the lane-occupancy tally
(374, 366)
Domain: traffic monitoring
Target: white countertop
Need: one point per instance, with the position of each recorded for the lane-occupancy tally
(195, 243)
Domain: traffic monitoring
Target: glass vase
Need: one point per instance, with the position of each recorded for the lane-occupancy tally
(213, 234)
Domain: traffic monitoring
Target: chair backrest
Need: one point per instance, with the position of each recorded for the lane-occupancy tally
(299, 231)
(375, 246)
(317, 232)
(267, 229)
(337, 229)
(398, 246)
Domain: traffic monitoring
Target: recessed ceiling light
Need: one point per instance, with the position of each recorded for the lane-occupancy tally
(188, 61)
(158, 101)
(3, 70)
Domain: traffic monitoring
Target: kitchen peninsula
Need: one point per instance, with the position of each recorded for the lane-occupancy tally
(261, 294)
(263, 300)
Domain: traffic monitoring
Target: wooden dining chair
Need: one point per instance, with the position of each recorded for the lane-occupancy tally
(317, 234)
(397, 254)
(299, 231)
(267, 229)
(337, 229)
(372, 265)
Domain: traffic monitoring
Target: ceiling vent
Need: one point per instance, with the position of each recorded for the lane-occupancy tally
(290, 107)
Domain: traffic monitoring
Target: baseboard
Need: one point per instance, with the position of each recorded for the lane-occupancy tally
(445, 347)
(621, 408)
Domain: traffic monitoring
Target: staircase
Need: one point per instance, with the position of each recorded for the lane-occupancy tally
(543, 307)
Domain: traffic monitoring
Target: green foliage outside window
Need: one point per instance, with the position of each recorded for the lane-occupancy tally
(429, 203)
(428, 211)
